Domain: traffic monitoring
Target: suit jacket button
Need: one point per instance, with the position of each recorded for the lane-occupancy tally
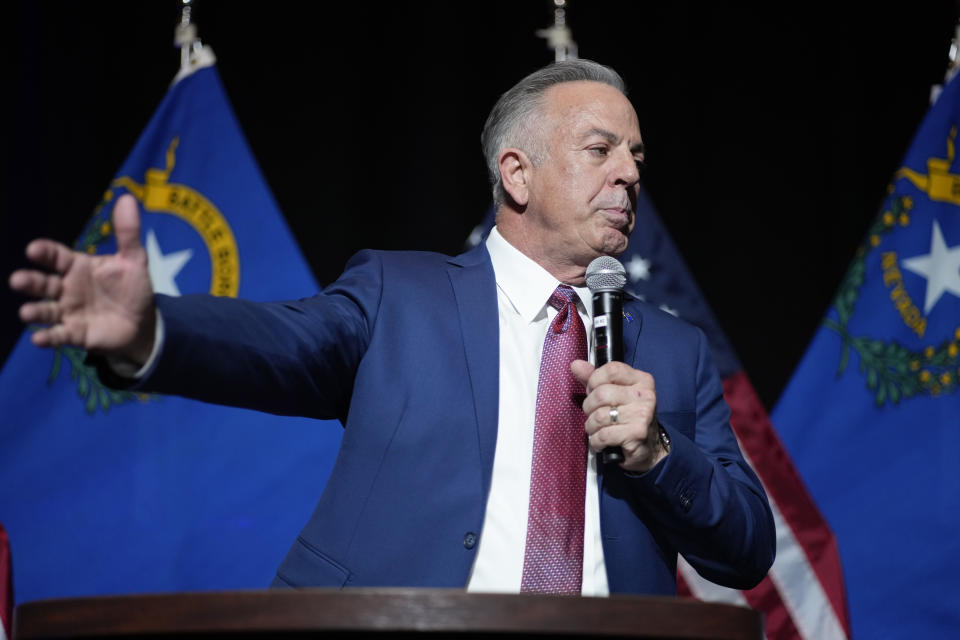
(470, 540)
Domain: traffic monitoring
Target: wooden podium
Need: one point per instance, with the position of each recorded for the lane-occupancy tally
(389, 613)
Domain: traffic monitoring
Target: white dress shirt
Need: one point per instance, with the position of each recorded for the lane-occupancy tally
(523, 291)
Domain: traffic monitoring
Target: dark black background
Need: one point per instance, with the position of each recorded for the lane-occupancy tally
(772, 129)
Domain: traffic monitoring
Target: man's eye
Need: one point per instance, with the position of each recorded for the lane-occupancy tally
(600, 151)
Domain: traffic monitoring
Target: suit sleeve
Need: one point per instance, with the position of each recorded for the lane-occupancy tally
(297, 357)
(706, 499)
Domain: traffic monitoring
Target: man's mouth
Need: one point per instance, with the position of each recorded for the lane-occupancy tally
(619, 216)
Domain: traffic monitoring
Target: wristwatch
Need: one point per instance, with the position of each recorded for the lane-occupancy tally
(663, 437)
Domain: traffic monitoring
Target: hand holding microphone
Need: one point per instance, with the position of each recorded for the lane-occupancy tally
(621, 401)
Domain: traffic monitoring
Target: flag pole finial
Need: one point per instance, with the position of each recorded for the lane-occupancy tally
(559, 35)
(185, 35)
(193, 54)
(953, 63)
(953, 58)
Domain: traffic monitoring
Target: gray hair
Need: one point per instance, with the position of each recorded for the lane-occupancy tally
(511, 121)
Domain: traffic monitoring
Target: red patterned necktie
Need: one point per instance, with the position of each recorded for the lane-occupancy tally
(553, 559)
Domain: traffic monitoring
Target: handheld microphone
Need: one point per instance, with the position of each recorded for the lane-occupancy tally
(606, 278)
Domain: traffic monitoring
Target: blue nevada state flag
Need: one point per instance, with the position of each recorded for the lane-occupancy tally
(107, 492)
(871, 416)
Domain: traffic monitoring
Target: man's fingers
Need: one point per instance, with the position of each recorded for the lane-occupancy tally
(606, 396)
(619, 373)
(611, 436)
(582, 370)
(50, 254)
(126, 223)
(43, 312)
(629, 438)
(600, 417)
(54, 336)
(36, 284)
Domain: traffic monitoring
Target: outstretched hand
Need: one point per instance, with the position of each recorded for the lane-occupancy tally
(99, 303)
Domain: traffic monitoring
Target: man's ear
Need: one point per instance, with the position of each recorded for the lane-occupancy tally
(515, 168)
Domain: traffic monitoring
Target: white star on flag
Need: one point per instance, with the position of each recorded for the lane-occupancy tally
(941, 268)
(164, 268)
(638, 268)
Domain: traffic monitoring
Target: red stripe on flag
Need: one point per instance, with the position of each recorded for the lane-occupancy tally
(778, 624)
(777, 621)
(6, 583)
(772, 463)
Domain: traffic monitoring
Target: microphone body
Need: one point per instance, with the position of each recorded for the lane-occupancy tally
(606, 278)
(608, 327)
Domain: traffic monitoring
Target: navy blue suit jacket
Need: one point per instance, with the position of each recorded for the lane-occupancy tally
(403, 349)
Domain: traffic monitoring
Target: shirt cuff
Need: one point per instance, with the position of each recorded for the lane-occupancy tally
(126, 369)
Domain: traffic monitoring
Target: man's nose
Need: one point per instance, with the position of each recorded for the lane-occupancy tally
(625, 170)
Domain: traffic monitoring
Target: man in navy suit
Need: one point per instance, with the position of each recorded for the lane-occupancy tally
(432, 364)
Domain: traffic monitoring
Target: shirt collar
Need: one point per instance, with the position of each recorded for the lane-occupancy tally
(526, 284)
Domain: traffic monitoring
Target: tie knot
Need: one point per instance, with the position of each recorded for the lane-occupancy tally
(562, 296)
(561, 300)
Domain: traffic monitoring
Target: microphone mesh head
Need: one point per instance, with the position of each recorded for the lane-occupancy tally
(606, 274)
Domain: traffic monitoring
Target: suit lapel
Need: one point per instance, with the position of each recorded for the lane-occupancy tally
(475, 289)
(632, 321)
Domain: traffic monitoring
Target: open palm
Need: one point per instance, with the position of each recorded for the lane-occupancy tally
(100, 303)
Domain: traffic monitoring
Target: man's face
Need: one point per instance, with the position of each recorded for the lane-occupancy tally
(583, 194)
